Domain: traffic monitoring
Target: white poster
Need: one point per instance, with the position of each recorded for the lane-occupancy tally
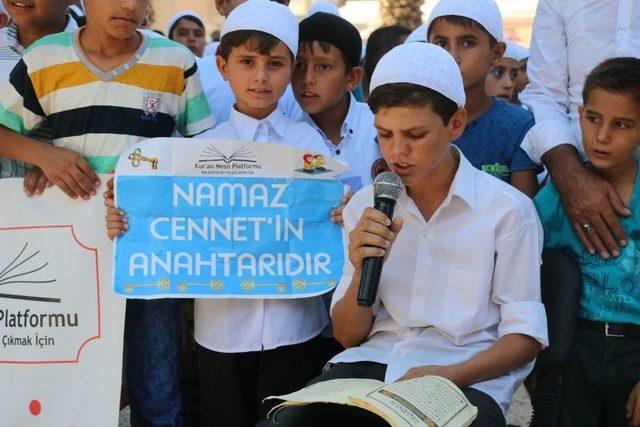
(61, 324)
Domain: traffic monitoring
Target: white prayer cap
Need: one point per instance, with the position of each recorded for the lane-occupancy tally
(418, 35)
(178, 16)
(323, 6)
(484, 12)
(516, 51)
(267, 16)
(422, 64)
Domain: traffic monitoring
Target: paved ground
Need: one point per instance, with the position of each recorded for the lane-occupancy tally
(519, 414)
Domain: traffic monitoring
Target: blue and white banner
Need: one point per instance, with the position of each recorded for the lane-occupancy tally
(227, 219)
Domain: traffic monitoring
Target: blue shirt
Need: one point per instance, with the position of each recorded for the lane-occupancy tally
(610, 288)
(492, 142)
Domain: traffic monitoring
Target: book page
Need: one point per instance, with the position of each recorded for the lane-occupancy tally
(332, 391)
(431, 401)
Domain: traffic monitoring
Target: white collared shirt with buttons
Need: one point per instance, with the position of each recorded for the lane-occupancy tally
(454, 285)
(571, 37)
(358, 144)
(242, 325)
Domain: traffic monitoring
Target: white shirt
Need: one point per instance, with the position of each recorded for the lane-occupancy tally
(221, 98)
(453, 286)
(241, 325)
(571, 37)
(358, 145)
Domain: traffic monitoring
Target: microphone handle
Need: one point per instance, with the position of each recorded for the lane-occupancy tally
(372, 267)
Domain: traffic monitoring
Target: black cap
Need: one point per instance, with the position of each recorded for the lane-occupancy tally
(337, 31)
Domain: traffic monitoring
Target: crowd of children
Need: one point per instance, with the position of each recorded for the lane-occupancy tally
(444, 111)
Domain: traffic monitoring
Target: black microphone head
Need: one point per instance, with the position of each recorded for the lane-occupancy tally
(387, 185)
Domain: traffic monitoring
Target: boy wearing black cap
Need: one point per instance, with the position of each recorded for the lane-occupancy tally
(326, 71)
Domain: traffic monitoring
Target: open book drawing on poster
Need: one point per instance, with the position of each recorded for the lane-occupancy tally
(427, 401)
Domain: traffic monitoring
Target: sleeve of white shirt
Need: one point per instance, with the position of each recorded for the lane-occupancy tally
(547, 93)
(516, 279)
(350, 217)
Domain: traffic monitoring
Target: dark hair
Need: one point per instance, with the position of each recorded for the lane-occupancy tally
(257, 41)
(411, 95)
(380, 42)
(187, 18)
(618, 75)
(307, 46)
(463, 21)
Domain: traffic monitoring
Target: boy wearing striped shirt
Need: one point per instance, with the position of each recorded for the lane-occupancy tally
(28, 24)
(101, 89)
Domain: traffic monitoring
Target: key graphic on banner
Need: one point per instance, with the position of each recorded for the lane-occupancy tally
(227, 219)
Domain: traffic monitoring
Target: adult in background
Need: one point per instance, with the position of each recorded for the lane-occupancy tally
(571, 37)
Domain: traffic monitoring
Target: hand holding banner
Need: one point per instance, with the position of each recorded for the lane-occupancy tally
(227, 219)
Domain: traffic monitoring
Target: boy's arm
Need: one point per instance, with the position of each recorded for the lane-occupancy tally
(66, 169)
(372, 236)
(508, 353)
(525, 181)
(195, 116)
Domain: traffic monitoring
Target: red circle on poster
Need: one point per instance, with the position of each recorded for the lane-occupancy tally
(35, 408)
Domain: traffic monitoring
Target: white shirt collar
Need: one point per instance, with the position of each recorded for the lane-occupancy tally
(463, 187)
(350, 124)
(246, 127)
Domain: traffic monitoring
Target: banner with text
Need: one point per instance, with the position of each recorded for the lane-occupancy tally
(227, 219)
(61, 324)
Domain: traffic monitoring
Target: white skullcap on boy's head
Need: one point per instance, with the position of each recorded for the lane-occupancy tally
(418, 35)
(183, 14)
(422, 64)
(484, 12)
(323, 6)
(267, 16)
(511, 51)
(517, 51)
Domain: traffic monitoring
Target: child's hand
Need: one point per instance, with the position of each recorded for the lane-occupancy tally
(633, 406)
(116, 221)
(336, 214)
(35, 182)
(373, 236)
(69, 171)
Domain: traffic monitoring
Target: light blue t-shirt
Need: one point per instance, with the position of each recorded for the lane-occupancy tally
(610, 288)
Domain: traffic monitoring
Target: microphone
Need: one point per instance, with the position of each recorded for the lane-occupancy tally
(386, 191)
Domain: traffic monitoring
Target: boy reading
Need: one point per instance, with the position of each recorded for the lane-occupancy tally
(602, 373)
(444, 307)
(100, 89)
(471, 31)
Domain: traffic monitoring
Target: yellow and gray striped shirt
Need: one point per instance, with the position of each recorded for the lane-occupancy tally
(156, 93)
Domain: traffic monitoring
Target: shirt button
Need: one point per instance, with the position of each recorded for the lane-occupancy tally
(351, 131)
(424, 234)
(126, 66)
(419, 291)
(621, 32)
(337, 152)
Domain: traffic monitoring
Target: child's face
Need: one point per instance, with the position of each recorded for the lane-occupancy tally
(523, 79)
(414, 140)
(257, 81)
(470, 47)
(36, 13)
(610, 124)
(191, 35)
(119, 19)
(501, 79)
(320, 80)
